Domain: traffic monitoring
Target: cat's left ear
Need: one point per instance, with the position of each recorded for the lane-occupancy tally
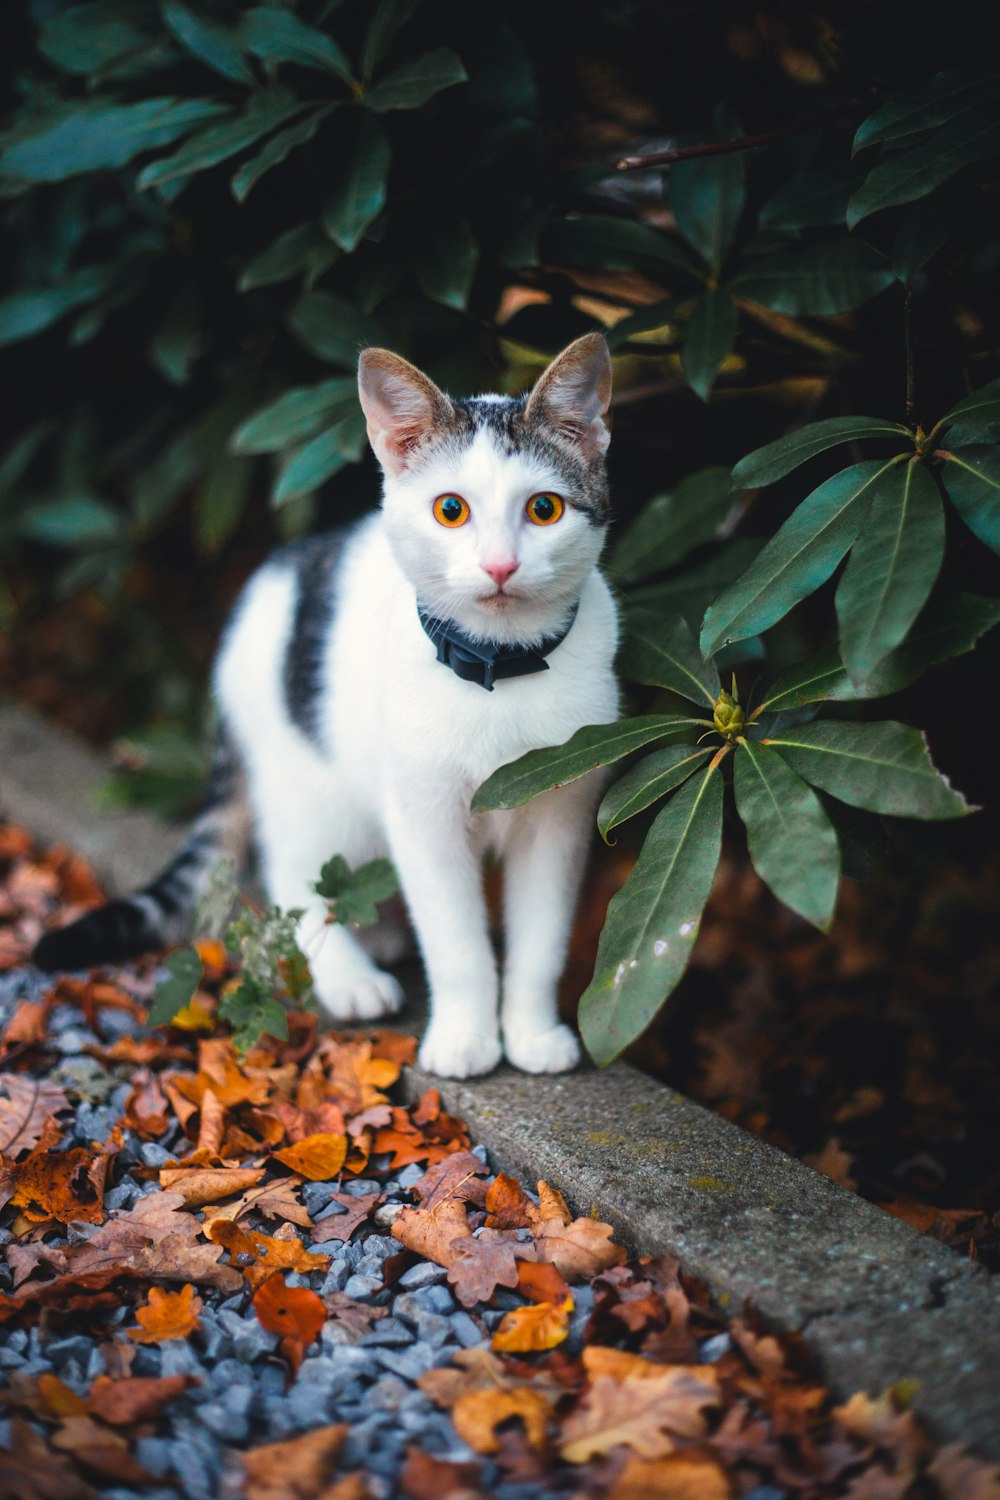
(403, 407)
(572, 397)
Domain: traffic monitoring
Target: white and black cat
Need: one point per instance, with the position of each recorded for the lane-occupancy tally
(370, 681)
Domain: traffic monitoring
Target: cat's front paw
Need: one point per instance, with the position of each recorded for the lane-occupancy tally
(458, 1054)
(554, 1051)
(358, 995)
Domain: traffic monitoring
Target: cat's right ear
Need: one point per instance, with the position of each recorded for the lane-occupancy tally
(402, 406)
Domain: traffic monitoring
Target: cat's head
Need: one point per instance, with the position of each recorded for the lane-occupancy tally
(496, 506)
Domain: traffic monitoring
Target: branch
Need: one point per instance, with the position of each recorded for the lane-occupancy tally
(740, 143)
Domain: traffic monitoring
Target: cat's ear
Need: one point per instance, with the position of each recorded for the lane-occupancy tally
(403, 407)
(572, 397)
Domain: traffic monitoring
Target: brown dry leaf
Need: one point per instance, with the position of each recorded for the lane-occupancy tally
(101, 1450)
(644, 1413)
(25, 1105)
(293, 1311)
(200, 1185)
(681, 1476)
(483, 1263)
(479, 1369)
(29, 1470)
(579, 1250)
(134, 1399)
(63, 1185)
(507, 1204)
(258, 1256)
(478, 1414)
(274, 1200)
(551, 1205)
(433, 1233)
(355, 1077)
(167, 1315)
(619, 1364)
(27, 1026)
(425, 1477)
(959, 1475)
(834, 1162)
(342, 1226)
(219, 1072)
(59, 1398)
(66, 1294)
(297, 1469)
(878, 1420)
(353, 1318)
(457, 1176)
(147, 1106)
(526, 1330)
(318, 1157)
(539, 1281)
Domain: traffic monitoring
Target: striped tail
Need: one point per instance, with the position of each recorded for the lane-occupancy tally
(161, 913)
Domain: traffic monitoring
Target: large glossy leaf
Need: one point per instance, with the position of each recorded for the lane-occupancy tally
(775, 460)
(913, 174)
(662, 651)
(358, 193)
(295, 415)
(645, 783)
(926, 227)
(592, 746)
(694, 588)
(331, 327)
(980, 408)
(652, 922)
(96, 37)
(301, 250)
(945, 97)
(445, 263)
(832, 276)
(707, 196)
(654, 315)
(799, 557)
(711, 334)
(264, 113)
(882, 768)
(93, 136)
(972, 479)
(946, 628)
(276, 150)
(413, 83)
(672, 525)
(214, 45)
(817, 196)
(892, 567)
(277, 35)
(71, 521)
(791, 840)
(320, 459)
(387, 18)
(23, 314)
(609, 244)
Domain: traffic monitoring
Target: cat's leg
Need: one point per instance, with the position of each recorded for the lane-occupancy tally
(544, 857)
(439, 869)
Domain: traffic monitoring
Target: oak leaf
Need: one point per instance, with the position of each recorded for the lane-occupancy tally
(643, 1413)
(273, 1200)
(539, 1281)
(355, 1076)
(959, 1475)
(507, 1204)
(354, 1319)
(681, 1476)
(318, 1157)
(295, 1312)
(134, 1399)
(63, 1185)
(482, 1263)
(296, 1469)
(424, 1477)
(98, 1448)
(578, 1250)
(32, 1471)
(342, 1226)
(211, 1122)
(479, 1369)
(25, 1105)
(167, 1315)
(478, 1414)
(551, 1205)
(879, 1421)
(146, 1108)
(526, 1330)
(433, 1233)
(258, 1256)
(457, 1176)
(200, 1185)
(59, 1398)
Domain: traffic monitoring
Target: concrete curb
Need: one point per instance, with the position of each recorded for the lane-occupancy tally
(878, 1302)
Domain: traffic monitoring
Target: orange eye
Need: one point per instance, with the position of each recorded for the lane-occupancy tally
(544, 510)
(451, 510)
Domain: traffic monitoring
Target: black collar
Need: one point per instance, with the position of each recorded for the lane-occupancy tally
(486, 662)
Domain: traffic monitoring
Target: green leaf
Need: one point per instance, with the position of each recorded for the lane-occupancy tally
(222, 500)
(972, 480)
(184, 969)
(946, 628)
(798, 559)
(276, 150)
(358, 197)
(815, 198)
(779, 458)
(319, 460)
(646, 783)
(445, 264)
(264, 113)
(296, 415)
(610, 244)
(652, 922)
(913, 174)
(389, 16)
(592, 746)
(331, 327)
(672, 525)
(73, 521)
(24, 314)
(690, 593)
(711, 334)
(926, 227)
(882, 768)
(892, 567)
(946, 96)
(214, 45)
(302, 249)
(278, 36)
(179, 339)
(252, 1011)
(707, 196)
(354, 895)
(412, 84)
(92, 137)
(792, 844)
(832, 276)
(92, 38)
(661, 651)
(980, 408)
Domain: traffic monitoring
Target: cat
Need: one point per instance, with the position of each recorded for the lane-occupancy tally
(370, 680)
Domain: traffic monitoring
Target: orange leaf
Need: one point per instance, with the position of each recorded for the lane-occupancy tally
(478, 1414)
(540, 1282)
(318, 1157)
(507, 1204)
(293, 1311)
(682, 1476)
(59, 1398)
(167, 1315)
(213, 1114)
(134, 1398)
(201, 1185)
(528, 1329)
(258, 1256)
(296, 1469)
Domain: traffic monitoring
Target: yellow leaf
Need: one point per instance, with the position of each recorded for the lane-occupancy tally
(318, 1157)
(528, 1329)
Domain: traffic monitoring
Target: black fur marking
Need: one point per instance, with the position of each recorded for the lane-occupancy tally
(121, 929)
(316, 561)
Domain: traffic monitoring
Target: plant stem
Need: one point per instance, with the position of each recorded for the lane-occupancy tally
(911, 402)
(739, 143)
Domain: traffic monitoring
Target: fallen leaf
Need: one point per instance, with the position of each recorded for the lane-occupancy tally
(147, 1106)
(63, 1185)
(878, 1420)
(479, 1369)
(478, 1414)
(681, 1476)
(211, 1122)
(25, 1105)
(433, 1233)
(98, 1448)
(425, 1477)
(258, 1256)
(526, 1330)
(959, 1475)
(296, 1469)
(455, 1177)
(353, 1318)
(167, 1315)
(200, 1185)
(342, 1226)
(273, 1200)
(30, 1470)
(551, 1205)
(507, 1204)
(318, 1157)
(295, 1312)
(134, 1399)
(644, 1413)
(539, 1281)
(482, 1263)
(578, 1250)
(61, 1399)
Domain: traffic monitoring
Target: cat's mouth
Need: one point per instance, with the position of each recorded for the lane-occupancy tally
(500, 599)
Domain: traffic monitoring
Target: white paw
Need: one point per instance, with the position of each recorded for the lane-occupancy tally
(553, 1051)
(458, 1054)
(358, 995)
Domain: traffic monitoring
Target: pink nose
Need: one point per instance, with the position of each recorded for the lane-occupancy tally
(500, 571)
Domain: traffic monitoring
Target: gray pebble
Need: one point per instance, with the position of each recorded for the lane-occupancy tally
(364, 1288)
(390, 1333)
(336, 1277)
(410, 1363)
(409, 1175)
(424, 1273)
(465, 1330)
(153, 1154)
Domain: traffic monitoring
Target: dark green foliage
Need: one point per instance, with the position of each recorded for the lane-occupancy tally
(353, 895)
(184, 970)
